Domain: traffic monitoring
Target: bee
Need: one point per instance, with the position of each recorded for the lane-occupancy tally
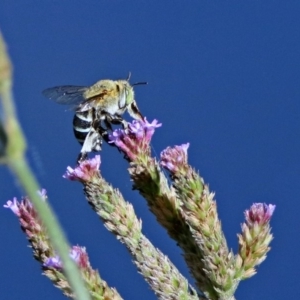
(96, 108)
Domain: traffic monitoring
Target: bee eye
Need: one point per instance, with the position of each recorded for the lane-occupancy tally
(126, 89)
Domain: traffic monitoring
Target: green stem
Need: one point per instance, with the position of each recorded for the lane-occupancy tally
(22, 171)
(15, 159)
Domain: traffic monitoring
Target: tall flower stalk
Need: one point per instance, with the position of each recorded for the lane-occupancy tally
(12, 154)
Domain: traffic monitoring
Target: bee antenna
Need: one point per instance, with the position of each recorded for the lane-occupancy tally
(140, 83)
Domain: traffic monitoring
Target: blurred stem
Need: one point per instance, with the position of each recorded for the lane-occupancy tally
(15, 159)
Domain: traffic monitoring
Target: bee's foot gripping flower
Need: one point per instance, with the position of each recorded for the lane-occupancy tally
(135, 139)
(85, 170)
(174, 159)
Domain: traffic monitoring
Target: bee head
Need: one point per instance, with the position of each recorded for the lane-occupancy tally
(129, 93)
(128, 89)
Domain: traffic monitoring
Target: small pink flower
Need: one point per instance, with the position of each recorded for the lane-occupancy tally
(78, 254)
(14, 206)
(117, 137)
(150, 128)
(27, 215)
(173, 159)
(85, 171)
(259, 213)
(137, 128)
(53, 262)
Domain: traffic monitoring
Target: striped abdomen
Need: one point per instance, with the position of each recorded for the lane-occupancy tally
(82, 123)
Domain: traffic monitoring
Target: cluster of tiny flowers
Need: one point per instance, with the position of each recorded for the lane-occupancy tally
(135, 138)
(78, 254)
(259, 213)
(173, 159)
(53, 262)
(13, 206)
(24, 205)
(86, 170)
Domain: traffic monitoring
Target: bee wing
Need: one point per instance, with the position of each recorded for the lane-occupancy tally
(67, 94)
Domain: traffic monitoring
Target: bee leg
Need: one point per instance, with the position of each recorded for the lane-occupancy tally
(112, 119)
(108, 121)
(81, 157)
(134, 111)
(104, 132)
(125, 125)
(91, 143)
(108, 124)
(97, 128)
(116, 119)
(120, 120)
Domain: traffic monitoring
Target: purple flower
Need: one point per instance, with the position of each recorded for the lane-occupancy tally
(259, 213)
(28, 216)
(14, 206)
(53, 262)
(150, 128)
(117, 137)
(25, 203)
(78, 254)
(173, 159)
(136, 128)
(143, 129)
(75, 253)
(135, 139)
(24, 209)
(85, 171)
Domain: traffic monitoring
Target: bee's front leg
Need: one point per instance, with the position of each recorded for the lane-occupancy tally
(125, 125)
(134, 111)
(116, 119)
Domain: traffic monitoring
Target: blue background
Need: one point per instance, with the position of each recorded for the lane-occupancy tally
(223, 75)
